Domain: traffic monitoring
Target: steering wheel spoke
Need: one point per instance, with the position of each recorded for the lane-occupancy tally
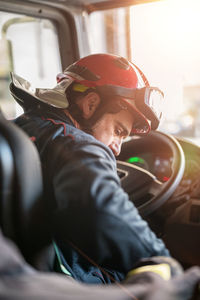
(156, 187)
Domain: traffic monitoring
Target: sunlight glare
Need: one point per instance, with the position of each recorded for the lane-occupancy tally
(166, 45)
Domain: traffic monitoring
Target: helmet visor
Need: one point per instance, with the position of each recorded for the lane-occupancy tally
(147, 102)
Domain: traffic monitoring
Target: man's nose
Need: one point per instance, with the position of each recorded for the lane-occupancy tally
(115, 146)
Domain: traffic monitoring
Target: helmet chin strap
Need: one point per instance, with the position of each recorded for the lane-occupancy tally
(76, 115)
(104, 107)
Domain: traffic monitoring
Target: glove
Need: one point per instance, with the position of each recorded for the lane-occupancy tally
(166, 267)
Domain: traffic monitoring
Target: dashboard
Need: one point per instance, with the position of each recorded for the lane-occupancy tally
(181, 229)
(157, 164)
(158, 160)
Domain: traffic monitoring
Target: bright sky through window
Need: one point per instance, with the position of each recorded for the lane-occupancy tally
(166, 45)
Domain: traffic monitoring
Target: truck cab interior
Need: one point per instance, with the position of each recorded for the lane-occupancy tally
(39, 38)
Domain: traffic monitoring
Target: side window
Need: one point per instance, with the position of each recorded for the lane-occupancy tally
(28, 47)
(110, 31)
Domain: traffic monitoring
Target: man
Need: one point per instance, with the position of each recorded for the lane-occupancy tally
(78, 128)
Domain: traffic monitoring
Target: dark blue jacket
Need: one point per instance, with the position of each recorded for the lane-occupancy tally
(96, 227)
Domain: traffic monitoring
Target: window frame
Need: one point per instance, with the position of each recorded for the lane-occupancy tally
(62, 20)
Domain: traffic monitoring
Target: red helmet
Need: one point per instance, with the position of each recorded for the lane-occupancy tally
(104, 69)
(114, 75)
(110, 75)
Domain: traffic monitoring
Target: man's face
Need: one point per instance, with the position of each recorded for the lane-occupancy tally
(112, 129)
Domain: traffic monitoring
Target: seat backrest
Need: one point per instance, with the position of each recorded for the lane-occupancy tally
(22, 213)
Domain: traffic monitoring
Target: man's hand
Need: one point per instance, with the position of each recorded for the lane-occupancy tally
(182, 286)
(166, 267)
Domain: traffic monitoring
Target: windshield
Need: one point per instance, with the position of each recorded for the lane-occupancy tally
(163, 39)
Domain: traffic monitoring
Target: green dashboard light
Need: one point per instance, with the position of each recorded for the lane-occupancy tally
(135, 159)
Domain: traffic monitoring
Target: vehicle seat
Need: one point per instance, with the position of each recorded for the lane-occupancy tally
(22, 214)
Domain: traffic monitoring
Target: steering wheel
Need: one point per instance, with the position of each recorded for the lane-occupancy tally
(144, 189)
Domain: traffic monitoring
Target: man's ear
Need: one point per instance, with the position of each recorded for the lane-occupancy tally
(89, 104)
